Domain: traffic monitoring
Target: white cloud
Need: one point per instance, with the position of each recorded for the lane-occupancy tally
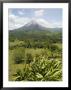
(16, 21)
(45, 23)
(58, 24)
(39, 13)
(21, 12)
(12, 16)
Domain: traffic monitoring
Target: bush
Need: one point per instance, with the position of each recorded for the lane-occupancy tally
(53, 48)
(18, 55)
(29, 58)
(48, 70)
(41, 70)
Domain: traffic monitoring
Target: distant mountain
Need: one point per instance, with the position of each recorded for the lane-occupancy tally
(33, 25)
(34, 30)
(38, 25)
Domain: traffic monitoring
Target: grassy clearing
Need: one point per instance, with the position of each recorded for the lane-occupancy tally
(44, 65)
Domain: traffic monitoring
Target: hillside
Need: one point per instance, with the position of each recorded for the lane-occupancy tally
(34, 31)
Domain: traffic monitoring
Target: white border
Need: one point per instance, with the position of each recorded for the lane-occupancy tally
(64, 82)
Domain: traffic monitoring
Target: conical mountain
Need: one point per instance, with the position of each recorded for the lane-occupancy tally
(32, 25)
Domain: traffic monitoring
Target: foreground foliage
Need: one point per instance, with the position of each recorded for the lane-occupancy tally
(40, 70)
(36, 65)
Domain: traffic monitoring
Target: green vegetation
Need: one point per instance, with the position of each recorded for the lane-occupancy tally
(35, 55)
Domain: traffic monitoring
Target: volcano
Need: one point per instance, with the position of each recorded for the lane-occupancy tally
(33, 25)
(38, 25)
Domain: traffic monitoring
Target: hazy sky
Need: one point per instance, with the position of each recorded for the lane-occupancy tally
(19, 17)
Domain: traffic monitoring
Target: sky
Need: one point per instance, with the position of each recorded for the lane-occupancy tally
(19, 17)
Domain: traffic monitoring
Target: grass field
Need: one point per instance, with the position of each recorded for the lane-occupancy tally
(35, 64)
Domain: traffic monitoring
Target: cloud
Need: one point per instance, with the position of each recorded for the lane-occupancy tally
(21, 12)
(58, 24)
(16, 21)
(45, 23)
(39, 13)
(19, 20)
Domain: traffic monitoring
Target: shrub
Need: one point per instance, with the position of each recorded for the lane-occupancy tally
(41, 70)
(29, 58)
(18, 55)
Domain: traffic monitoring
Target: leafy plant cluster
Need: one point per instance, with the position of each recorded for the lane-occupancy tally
(42, 66)
(40, 70)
